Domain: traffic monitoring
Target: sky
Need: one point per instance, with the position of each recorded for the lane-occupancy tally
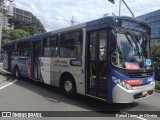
(57, 14)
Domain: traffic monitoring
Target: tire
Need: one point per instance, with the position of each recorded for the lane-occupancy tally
(69, 87)
(17, 73)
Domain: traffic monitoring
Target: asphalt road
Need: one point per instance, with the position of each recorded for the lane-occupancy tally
(27, 95)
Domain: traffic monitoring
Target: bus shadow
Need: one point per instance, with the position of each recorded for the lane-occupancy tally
(52, 94)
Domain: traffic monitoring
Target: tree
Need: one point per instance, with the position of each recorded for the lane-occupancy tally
(33, 27)
(155, 49)
(13, 34)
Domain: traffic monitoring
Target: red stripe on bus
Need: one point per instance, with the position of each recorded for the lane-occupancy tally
(133, 82)
(28, 69)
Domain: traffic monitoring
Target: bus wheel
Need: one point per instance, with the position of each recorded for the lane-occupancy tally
(17, 74)
(69, 87)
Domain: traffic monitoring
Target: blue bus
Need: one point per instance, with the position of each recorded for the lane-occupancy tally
(108, 59)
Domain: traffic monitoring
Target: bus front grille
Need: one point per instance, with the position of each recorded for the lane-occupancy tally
(140, 74)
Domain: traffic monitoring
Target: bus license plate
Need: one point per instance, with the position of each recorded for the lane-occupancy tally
(144, 93)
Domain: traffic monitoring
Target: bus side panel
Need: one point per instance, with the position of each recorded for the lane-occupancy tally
(14, 62)
(55, 72)
(45, 69)
(50, 71)
(22, 66)
(76, 71)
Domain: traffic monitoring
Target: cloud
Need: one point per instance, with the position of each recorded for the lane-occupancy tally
(56, 14)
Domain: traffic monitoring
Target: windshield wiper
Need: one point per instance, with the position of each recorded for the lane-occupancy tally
(136, 43)
(129, 40)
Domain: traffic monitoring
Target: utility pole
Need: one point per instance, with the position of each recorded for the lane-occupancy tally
(72, 21)
(1, 17)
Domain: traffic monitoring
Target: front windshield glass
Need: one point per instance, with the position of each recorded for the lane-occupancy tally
(132, 50)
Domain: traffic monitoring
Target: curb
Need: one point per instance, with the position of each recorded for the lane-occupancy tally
(2, 71)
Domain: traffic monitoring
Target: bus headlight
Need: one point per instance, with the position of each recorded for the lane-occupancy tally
(128, 86)
(121, 83)
(124, 84)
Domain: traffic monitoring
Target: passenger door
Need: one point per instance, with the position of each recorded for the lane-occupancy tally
(35, 60)
(97, 63)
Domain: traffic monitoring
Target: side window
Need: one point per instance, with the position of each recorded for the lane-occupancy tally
(13, 49)
(20, 47)
(37, 49)
(50, 46)
(93, 46)
(6, 48)
(26, 48)
(71, 44)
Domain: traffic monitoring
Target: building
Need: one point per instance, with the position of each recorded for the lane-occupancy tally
(19, 14)
(22, 15)
(153, 19)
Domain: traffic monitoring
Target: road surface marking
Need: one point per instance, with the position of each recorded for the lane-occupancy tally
(133, 117)
(8, 84)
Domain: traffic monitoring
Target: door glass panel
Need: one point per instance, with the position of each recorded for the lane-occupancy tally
(36, 59)
(98, 63)
(102, 64)
(92, 81)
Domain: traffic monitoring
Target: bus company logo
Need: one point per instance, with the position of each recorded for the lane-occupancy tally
(144, 75)
(6, 114)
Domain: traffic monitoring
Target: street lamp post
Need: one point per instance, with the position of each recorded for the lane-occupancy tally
(1, 15)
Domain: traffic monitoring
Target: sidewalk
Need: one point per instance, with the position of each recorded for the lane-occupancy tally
(3, 79)
(3, 74)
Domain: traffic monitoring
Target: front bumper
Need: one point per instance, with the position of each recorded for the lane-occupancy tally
(122, 95)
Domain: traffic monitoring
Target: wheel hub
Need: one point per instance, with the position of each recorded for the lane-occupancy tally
(68, 86)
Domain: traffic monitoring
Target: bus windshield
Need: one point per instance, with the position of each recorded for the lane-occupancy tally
(133, 50)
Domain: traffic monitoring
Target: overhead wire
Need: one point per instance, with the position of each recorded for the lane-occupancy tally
(135, 8)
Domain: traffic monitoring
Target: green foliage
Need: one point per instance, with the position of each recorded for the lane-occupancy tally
(155, 49)
(157, 85)
(13, 34)
(33, 27)
(22, 29)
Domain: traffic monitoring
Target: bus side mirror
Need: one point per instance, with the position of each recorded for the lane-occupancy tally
(115, 58)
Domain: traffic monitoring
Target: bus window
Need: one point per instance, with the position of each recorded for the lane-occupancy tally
(102, 46)
(26, 48)
(13, 50)
(50, 46)
(71, 45)
(20, 47)
(21, 52)
(37, 49)
(26, 52)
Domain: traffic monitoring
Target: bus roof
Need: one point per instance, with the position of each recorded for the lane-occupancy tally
(102, 22)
